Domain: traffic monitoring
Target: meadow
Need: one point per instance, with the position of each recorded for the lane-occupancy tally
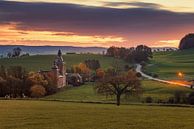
(45, 62)
(168, 64)
(87, 93)
(21, 114)
(83, 112)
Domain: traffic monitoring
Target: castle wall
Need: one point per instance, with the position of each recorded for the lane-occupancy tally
(61, 81)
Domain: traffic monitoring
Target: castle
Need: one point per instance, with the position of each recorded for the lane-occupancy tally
(57, 72)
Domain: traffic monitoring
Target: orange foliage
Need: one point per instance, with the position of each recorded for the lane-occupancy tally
(37, 91)
(100, 73)
(81, 68)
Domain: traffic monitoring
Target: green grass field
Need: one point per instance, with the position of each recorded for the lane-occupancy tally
(44, 62)
(167, 64)
(150, 88)
(21, 114)
(31, 114)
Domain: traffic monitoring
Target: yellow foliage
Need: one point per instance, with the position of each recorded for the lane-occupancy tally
(37, 91)
(37, 78)
(81, 68)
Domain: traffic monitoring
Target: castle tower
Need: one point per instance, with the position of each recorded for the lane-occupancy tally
(60, 63)
(55, 72)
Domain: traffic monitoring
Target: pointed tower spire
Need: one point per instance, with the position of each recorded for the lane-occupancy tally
(59, 53)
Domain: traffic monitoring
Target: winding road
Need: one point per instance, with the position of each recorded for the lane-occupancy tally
(139, 69)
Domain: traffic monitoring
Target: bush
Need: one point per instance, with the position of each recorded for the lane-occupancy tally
(191, 98)
(37, 91)
(149, 100)
(100, 73)
(155, 75)
(138, 75)
(150, 74)
(179, 97)
(143, 63)
(171, 100)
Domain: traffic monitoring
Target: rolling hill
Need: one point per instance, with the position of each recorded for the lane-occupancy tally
(167, 64)
(45, 62)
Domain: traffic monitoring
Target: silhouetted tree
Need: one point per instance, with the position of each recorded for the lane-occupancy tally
(92, 64)
(16, 52)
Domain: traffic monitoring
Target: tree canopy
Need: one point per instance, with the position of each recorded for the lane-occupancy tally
(132, 55)
(115, 83)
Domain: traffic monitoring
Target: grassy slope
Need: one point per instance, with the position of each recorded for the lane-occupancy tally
(167, 64)
(150, 88)
(61, 115)
(44, 62)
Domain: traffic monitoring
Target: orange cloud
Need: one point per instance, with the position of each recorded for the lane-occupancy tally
(11, 36)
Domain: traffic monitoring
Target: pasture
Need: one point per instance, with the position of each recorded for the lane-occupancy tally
(44, 62)
(168, 64)
(150, 89)
(21, 114)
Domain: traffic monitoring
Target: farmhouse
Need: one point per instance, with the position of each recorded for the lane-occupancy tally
(57, 72)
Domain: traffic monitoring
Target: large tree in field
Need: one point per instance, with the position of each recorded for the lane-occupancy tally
(114, 83)
(142, 53)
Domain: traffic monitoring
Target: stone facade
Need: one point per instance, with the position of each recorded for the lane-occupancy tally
(57, 72)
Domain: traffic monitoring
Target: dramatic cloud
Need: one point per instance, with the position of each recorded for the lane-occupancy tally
(133, 4)
(146, 23)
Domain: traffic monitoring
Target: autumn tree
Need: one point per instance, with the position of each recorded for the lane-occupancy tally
(37, 91)
(113, 51)
(34, 79)
(100, 73)
(133, 55)
(117, 84)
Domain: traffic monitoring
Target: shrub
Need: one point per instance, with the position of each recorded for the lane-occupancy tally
(143, 63)
(191, 98)
(126, 67)
(100, 73)
(171, 100)
(149, 100)
(179, 97)
(150, 74)
(37, 91)
(138, 74)
(155, 75)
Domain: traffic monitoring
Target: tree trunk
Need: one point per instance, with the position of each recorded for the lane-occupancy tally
(118, 99)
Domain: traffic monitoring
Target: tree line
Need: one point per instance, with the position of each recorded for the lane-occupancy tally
(133, 55)
(16, 82)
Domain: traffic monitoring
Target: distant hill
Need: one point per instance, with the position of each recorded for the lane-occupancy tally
(44, 50)
(187, 42)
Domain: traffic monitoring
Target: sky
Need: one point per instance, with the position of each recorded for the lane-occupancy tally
(101, 23)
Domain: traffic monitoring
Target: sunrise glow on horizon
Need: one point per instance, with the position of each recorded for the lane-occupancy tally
(122, 23)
